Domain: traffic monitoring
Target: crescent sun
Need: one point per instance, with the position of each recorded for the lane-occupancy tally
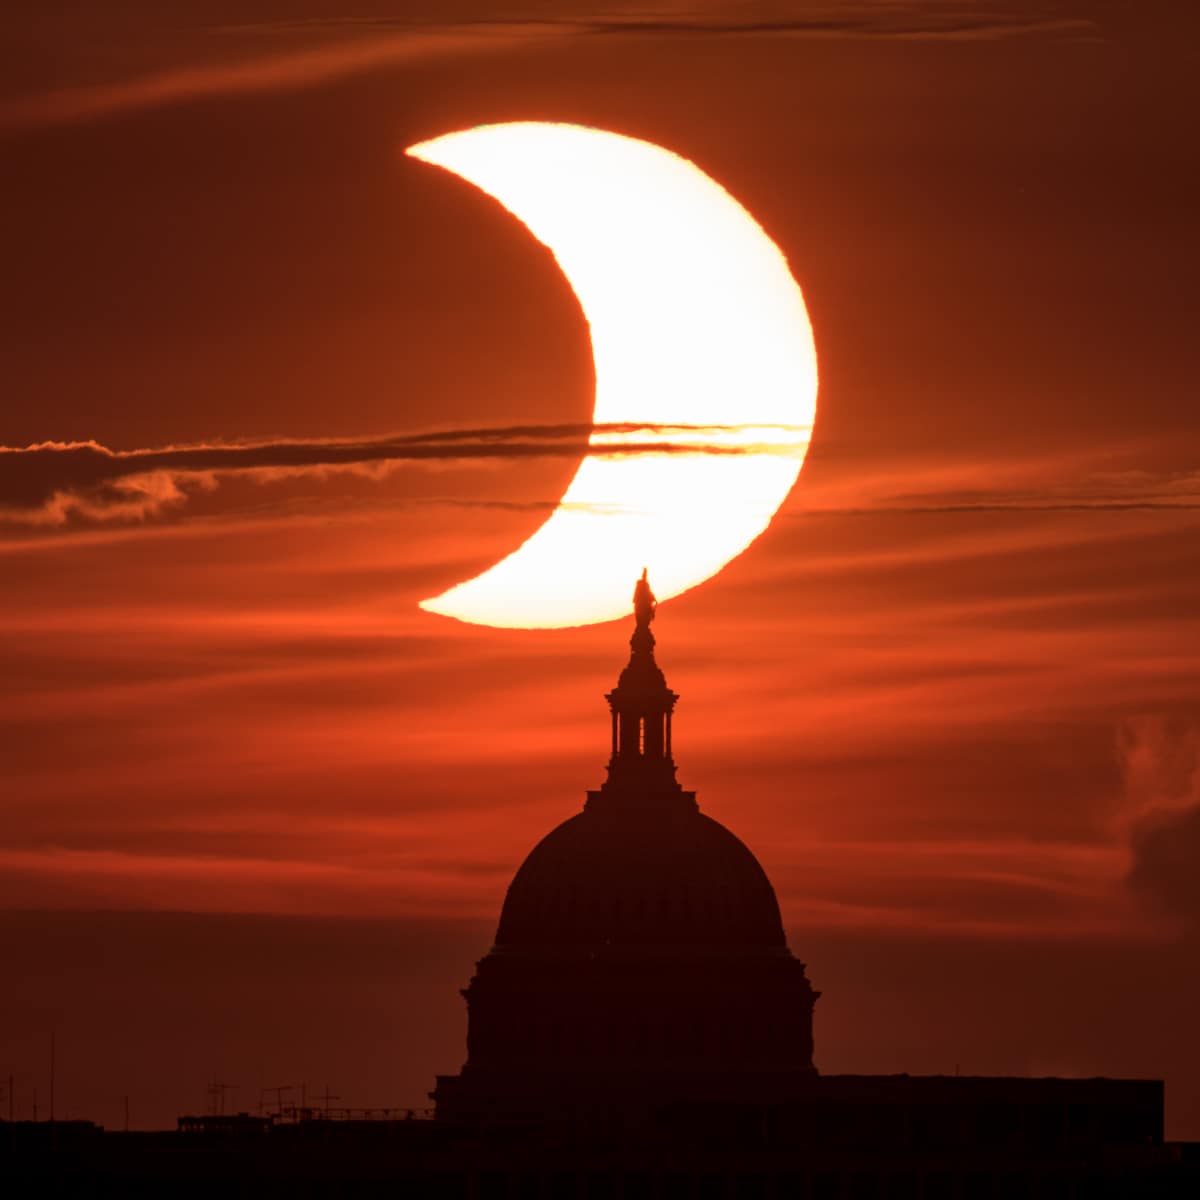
(696, 325)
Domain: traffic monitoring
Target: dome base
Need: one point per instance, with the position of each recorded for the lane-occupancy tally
(614, 1102)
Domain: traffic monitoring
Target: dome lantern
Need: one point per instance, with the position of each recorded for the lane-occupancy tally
(641, 706)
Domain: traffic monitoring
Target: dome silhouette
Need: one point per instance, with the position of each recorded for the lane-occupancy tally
(621, 875)
(640, 939)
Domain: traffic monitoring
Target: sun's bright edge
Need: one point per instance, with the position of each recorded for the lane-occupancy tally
(695, 320)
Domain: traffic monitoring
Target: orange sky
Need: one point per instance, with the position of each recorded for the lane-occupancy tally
(949, 698)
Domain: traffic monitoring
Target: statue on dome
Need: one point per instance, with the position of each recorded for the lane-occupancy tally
(644, 603)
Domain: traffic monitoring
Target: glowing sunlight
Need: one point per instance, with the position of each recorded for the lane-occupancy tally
(695, 320)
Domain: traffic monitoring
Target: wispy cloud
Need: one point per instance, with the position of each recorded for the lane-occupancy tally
(1080, 481)
(1160, 762)
(916, 19)
(346, 46)
(49, 482)
(56, 483)
(283, 70)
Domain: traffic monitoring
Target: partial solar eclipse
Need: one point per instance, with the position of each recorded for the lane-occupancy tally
(695, 321)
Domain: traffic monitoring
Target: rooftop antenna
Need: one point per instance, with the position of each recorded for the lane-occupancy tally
(283, 1087)
(326, 1096)
(217, 1092)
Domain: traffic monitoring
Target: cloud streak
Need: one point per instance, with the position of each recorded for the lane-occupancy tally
(352, 46)
(54, 483)
(49, 482)
(290, 70)
(1073, 481)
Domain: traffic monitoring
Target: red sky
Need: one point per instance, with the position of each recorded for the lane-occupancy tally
(258, 811)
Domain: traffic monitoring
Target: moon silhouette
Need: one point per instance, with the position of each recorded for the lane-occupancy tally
(696, 323)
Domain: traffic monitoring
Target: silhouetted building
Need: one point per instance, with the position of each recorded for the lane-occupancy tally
(640, 1031)
(641, 994)
(640, 959)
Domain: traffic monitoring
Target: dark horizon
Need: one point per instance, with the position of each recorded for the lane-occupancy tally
(257, 1033)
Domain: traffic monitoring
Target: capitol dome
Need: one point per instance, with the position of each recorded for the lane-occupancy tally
(633, 875)
(639, 939)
